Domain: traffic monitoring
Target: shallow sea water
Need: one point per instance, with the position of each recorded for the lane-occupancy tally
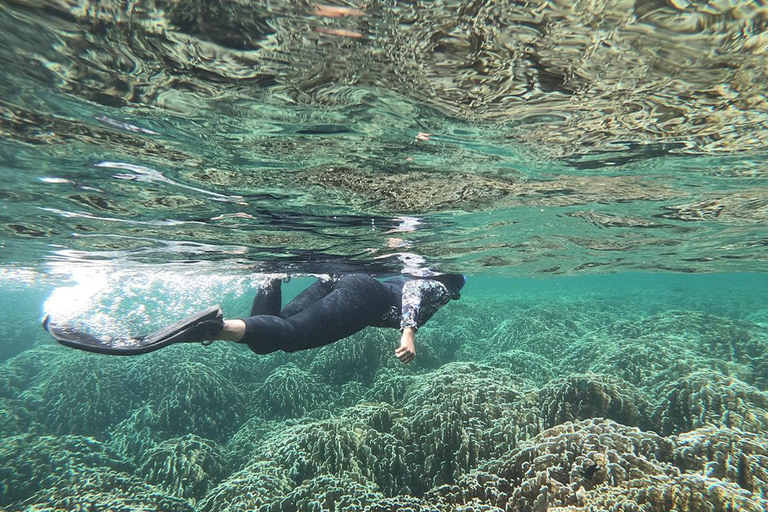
(597, 169)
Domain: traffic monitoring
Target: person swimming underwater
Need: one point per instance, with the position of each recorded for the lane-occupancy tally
(327, 311)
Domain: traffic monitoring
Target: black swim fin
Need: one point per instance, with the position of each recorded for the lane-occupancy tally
(202, 326)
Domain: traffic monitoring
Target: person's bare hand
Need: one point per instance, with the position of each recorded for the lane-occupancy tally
(407, 351)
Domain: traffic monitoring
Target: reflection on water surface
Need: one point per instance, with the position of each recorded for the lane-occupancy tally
(527, 137)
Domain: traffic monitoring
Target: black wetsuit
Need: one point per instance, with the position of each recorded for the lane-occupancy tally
(330, 310)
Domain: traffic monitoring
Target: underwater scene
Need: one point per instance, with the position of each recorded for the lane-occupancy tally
(596, 170)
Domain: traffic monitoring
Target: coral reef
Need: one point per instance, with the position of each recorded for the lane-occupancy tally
(709, 398)
(195, 398)
(592, 396)
(81, 393)
(569, 404)
(341, 493)
(258, 485)
(291, 392)
(186, 467)
(449, 416)
(601, 465)
(31, 463)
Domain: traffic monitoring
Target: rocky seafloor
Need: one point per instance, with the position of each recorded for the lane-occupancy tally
(580, 403)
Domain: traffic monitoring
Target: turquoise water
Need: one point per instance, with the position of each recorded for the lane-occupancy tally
(596, 168)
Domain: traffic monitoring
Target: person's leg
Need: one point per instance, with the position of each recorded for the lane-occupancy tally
(312, 294)
(356, 302)
(267, 303)
(268, 299)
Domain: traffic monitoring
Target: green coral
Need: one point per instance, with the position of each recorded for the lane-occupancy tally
(338, 493)
(592, 396)
(524, 365)
(448, 419)
(355, 358)
(101, 489)
(195, 398)
(290, 392)
(256, 486)
(31, 463)
(597, 465)
(186, 467)
(390, 386)
(709, 398)
(340, 445)
(20, 372)
(84, 393)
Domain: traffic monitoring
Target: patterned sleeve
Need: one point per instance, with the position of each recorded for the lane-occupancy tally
(421, 299)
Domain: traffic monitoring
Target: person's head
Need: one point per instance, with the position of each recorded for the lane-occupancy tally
(454, 283)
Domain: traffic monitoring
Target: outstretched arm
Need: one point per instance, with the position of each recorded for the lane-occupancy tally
(421, 298)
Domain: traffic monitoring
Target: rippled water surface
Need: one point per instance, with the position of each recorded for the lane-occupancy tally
(521, 138)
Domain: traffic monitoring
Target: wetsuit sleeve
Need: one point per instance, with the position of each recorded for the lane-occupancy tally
(421, 299)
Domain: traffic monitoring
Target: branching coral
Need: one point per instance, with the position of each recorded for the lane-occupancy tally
(338, 493)
(102, 489)
(449, 419)
(357, 357)
(290, 391)
(195, 398)
(727, 454)
(527, 366)
(592, 396)
(709, 398)
(72, 395)
(250, 489)
(30, 463)
(597, 465)
(341, 445)
(20, 372)
(186, 467)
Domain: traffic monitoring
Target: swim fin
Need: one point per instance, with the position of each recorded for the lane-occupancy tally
(202, 326)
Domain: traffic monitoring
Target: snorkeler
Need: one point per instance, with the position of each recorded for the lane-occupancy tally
(327, 311)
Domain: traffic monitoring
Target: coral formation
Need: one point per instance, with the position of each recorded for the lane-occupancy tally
(571, 405)
(186, 467)
(256, 486)
(591, 396)
(195, 398)
(709, 398)
(601, 465)
(30, 463)
(76, 395)
(291, 392)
